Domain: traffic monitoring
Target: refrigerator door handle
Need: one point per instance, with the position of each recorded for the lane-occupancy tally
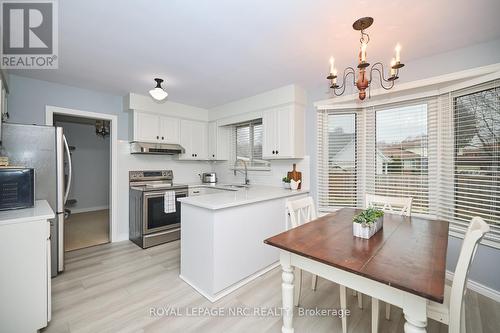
(70, 169)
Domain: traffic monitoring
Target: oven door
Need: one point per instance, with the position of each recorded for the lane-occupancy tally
(155, 219)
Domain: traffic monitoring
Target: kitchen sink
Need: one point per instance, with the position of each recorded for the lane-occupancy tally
(235, 185)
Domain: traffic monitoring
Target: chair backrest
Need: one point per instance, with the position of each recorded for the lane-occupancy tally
(473, 236)
(394, 205)
(301, 211)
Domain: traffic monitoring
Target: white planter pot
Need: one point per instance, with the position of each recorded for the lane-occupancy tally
(286, 185)
(366, 232)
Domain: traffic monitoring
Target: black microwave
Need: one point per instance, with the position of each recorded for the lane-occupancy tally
(17, 188)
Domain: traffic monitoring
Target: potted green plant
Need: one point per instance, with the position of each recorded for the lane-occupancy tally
(367, 223)
(286, 182)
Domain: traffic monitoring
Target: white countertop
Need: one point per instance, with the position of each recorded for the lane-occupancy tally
(244, 196)
(41, 211)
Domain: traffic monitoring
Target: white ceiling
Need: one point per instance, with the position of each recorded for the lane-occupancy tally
(214, 51)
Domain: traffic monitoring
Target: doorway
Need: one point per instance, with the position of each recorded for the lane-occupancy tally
(92, 218)
(87, 172)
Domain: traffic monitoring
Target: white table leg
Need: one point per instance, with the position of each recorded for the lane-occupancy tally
(287, 297)
(415, 312)
(314, 283)
(343, 306)
(297, 285)
(375, 314)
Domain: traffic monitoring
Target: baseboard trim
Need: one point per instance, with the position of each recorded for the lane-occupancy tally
(88, 209)
(230, 289)
(478, 288)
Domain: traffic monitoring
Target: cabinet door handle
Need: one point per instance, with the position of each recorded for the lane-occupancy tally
(213, 155)
(273, 152)
(162, 138)
(192, 155)
(277, 152)
(195, 155)
(157, 136)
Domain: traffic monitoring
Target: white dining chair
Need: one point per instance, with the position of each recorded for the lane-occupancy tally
(303, 211)
(393, 205)
(451, 312)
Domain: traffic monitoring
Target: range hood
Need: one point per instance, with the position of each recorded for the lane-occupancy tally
(155, 148)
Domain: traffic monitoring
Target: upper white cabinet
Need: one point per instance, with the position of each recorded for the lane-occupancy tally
(283, 132)
(150, 127)
(194, 140)
(218, 142)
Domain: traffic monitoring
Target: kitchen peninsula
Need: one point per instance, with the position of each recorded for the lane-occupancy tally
(222, 237)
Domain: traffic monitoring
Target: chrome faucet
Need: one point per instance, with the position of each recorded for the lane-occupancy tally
(247, 181)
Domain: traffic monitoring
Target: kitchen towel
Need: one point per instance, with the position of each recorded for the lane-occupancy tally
(169, 202)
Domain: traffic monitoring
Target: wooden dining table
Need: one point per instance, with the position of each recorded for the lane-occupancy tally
(403, 264)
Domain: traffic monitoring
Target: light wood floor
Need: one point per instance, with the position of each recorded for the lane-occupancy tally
(86, 229)
(111, 288)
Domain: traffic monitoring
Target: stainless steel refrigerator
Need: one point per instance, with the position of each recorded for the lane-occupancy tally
(45, 149)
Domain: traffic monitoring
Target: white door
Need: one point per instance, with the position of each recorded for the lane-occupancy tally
(186, 140)
(212, 140)
(199, 140)
(146, 127)
(284, 133)
(169, 130)
(269, 145)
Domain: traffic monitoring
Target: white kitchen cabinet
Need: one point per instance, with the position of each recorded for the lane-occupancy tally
(170, 129)
(283, 133)
(218, 142)
(194, 139)
(146, 127)
(150, 127)
(25, 291)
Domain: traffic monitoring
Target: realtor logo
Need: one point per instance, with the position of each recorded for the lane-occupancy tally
(29, 34)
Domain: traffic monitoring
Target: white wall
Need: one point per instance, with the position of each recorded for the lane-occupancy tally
(90, 183)
(485, 268)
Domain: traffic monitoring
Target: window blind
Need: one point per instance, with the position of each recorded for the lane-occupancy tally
(400, 151)
(470, 167)
(247, 139)
(337, 143)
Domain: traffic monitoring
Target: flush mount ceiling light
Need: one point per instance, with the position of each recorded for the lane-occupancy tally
(157, 92)
(364, 81)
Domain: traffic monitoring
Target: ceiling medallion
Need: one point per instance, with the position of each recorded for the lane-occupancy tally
(364, 81)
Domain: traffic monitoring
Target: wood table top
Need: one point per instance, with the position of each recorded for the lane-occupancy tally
(408, 253)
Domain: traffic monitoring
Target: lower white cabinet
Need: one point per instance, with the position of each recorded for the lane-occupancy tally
(25, 292)
(219, 141)
(194, 139)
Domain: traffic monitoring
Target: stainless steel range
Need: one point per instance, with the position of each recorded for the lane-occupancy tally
(152, 220)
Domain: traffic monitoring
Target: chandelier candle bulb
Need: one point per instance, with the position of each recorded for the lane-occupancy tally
(398, 53)
(332, 67)
(363, 52)
(393, 70)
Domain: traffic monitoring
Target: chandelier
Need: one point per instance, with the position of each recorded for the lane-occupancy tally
(364, 80)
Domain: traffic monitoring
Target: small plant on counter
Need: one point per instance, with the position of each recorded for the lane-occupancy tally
(368, 217)
(286, 182)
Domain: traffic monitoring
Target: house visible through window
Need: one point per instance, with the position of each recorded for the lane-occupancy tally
(401, 154)
(342, 160)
